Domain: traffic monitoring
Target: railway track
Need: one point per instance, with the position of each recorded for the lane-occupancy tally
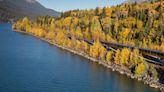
(156, 53)
(151, 56)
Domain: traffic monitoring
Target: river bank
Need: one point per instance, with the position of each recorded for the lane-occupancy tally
(121, 69)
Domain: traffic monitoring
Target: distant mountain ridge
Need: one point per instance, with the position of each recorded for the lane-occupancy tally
(20, 8)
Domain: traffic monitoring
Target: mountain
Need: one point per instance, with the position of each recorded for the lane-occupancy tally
(137, 1)
(20, 8)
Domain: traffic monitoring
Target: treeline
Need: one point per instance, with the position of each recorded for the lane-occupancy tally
(140, 25)
(125, 57)
(135, 24)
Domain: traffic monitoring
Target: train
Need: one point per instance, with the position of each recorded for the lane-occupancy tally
(151, 56)
(157, 57)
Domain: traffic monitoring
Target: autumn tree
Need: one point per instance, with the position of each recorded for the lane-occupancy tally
(153, 72)
(60, 38)
(109, 56)
(50, 35)
(97, 50)
(123, 35)
(77, 45)
(78, 32)
(52, 25)
(84, 46)
(86, 34)
(134, 56)
(98, 11)
(124, 56)
(25, 24)
(117, 57)
(107, 11)
(96, 30)
(102, 52)
(140, 69)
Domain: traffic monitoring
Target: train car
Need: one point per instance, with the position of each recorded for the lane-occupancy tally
(149, 55)
(161, 54)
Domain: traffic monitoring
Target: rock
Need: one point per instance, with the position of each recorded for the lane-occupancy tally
(132, 76)
(121, 72)
(153, 85)
(139, 79)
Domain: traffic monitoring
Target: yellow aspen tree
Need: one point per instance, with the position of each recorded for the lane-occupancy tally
(94, 49)
(28, 27)
(41, 32)
(24, 22)
(50, 35)
(107, 11)
(60, 37)
(162, 47)
(52, 25)
(67, 22)
(98, 11)
(127, 55)
(131, 62)
(109, 56)
(144, 43)
(134, 58)
(78, 32)
(139, 25)
(139, 69)
(123, 35)
(102, 36)
(86, 34)
(34, 31)
(84, 46)
(78, 45)
(124, 56)
(69, 44)
(102, 52)
(153, 72)
(117, 57)
(73, 41)
(65, 42)
(96, 29)
(108, 38)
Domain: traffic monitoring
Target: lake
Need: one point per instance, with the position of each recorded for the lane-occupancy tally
(28, 64)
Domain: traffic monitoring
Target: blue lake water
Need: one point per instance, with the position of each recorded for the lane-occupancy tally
(28, 64)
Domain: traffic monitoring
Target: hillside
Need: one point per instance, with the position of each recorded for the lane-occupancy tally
(20, 8)
(138, 25)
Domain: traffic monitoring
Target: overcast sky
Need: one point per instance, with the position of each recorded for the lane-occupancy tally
(64, 5)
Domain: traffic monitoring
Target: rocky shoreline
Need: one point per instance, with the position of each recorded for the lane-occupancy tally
(146, 79)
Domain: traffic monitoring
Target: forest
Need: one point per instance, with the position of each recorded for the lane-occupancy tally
(140, 25)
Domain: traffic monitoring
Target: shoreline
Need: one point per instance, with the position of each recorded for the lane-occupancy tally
(146, 79)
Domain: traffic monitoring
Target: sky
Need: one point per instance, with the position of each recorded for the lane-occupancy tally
(65, 5)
